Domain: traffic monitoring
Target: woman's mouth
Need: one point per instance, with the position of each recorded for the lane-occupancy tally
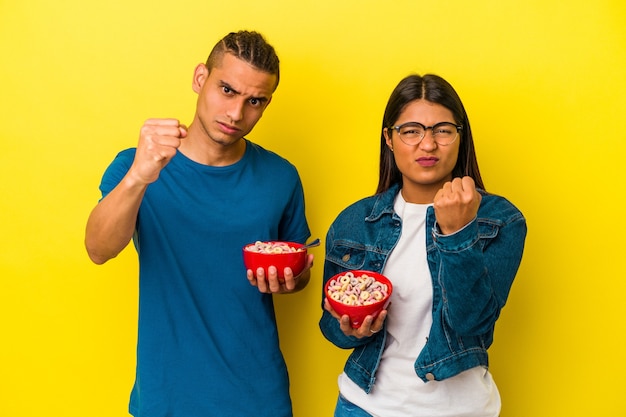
(427, 161)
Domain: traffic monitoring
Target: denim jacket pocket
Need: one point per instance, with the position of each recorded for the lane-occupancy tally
(347, 255)
(488, 228)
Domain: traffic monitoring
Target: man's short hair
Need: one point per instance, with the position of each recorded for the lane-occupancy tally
(250, 47)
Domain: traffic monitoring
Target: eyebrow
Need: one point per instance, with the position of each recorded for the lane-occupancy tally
(225, 84)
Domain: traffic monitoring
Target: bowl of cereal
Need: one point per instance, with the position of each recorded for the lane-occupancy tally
(279, 254)
(358, 294)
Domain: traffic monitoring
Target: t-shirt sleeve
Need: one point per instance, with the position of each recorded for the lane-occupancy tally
(116, 171)
(294, 226)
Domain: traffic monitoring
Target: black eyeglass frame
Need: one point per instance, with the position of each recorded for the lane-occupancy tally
(459, 129)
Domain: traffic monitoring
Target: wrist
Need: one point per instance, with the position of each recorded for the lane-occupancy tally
(133, 180)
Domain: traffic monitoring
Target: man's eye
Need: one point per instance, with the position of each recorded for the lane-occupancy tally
(226, 90)
(255, 101)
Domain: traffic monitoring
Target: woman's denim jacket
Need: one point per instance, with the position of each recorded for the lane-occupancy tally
(472, 272)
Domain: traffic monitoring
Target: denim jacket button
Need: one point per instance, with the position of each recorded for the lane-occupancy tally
(430, 377)
(346, 257)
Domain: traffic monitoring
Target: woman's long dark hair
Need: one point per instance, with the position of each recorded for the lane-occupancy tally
(434, 89)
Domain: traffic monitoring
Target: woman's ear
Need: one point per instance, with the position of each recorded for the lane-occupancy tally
(388, 138)
(200, 74)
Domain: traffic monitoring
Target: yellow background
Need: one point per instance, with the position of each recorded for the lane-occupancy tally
(544, 85)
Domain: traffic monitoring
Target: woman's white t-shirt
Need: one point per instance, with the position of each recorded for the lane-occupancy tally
(398, 391)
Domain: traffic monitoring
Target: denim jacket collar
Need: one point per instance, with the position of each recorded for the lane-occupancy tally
(383, 204)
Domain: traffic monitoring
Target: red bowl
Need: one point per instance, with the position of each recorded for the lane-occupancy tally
(358, 313)
(294, 260)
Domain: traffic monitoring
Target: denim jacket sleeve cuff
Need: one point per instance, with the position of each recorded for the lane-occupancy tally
(459, 240)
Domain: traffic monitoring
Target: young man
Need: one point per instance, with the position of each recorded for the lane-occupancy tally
(190, 199)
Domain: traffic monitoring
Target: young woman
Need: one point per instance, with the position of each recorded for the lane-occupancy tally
(451, 251)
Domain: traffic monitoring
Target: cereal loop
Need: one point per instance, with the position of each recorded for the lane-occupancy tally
(357, 291)
(271, 248)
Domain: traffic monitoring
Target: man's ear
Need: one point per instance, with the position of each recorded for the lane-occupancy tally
(200, 74)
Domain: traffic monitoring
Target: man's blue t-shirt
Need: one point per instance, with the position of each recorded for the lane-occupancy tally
(207, 339)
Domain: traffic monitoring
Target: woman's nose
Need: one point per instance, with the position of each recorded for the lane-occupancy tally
(428, 141)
